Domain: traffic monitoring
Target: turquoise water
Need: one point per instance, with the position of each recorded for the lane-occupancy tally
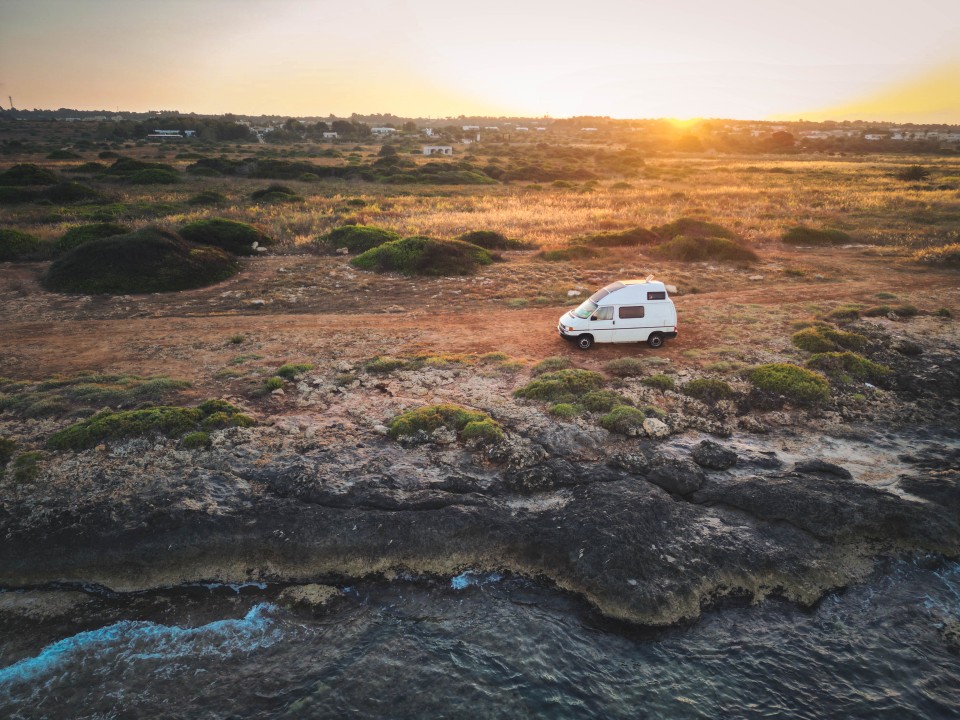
(487, 646)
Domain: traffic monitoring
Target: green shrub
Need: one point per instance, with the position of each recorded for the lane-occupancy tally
(791, 381)
(913, 173)
(196, 440)
(573, 252)
(943, 313)
(659, 382)
(235, 237)
(842, 366)
(382, 364)
(7, 448)
(634, 237)
(424, 256)
(455, 417)
(144, 261)
(556, 362)
(357, 238)
(207, 197)
(601, 401)
(942, 256)
(16, 245)
(564, 411)
(625, 367)
(27, 174)
(291, 370)
(62, 155)
(822, 339)
(71, 192)
(624, 420)
(690, 227)
(491, 240)
(224, 419)
(708, 390)
(844, 313)
(700, 249)
(85, 233)
(169, 421)
(26, 467)
(273, 383)
(126, 168)
(275, 193)
(155, 176)
(803, 235)
(561, 385)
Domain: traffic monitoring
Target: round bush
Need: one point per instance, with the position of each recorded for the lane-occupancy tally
(68, 192)
(85, 233)
(944, 255)
(693, 228)
(358, 238)
(234, 237)
(624, 420)
(62, 155)
(633, 237)
(207, 197)
(708, 390)
(791, 381)
(491, 240)
(275, 193)
(564, 411)
(700, 249)
(424, 256)
(27, 174)
(16, 245)
(803, 235)
(155, 176)
(145, 261)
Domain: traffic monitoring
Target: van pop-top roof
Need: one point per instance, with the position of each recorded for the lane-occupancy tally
(648, 282)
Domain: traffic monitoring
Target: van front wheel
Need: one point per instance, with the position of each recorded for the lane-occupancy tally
(584, 342)
(655, 340)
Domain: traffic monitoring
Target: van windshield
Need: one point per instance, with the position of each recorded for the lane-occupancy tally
(585, 310)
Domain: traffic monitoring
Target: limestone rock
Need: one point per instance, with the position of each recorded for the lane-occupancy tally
(709, 454)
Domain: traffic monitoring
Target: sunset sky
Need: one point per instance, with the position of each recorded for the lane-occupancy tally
(837, 59)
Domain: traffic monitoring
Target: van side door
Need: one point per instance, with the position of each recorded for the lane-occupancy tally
(602, 324)
(632, 324)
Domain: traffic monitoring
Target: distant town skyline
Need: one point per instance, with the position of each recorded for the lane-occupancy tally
(744, 59)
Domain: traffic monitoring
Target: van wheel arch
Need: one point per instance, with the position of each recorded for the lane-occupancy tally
(585, 341)
(655, 340)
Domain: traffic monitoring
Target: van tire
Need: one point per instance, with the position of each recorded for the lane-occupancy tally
(585, 342)
(655, 340)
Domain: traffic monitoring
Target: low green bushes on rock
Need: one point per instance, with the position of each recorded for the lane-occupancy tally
(144, 261)
(166, 420)
(357, 238)
(7, 448)
(563, 411)
(624, 420)
(89, 168)
(824, 339)
(842, 366)
(790, 381)
(803, 235)
(844, 313)
(602, 401)
(490, 240)
(659, 382)
(196, 440)
(27, 174)
(561, 386)
(690, 227)
(85, 233)
(424, 256)
(291, 370)
(155, 176)
(906, 311)
(625, 367)
(549, 364)
(943, 256)
(383, 364)
(708, 390)
(62, 155)
(18, 246)
(26, 467)
(72, 192)
(468, 424)
(235, 237)
(702, 249)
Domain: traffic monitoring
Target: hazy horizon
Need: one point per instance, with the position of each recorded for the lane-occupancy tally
(743, 60)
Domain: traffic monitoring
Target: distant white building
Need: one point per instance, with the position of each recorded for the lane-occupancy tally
(491, 127)
(540, 129)
(331, 135)
(588, 129)
(468, 128)
(428, 132)
(873, 136)
(437, 150)
(383, 131)
(522, 129)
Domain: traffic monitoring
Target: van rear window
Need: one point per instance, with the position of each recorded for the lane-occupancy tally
(631, 311)
(659, 295)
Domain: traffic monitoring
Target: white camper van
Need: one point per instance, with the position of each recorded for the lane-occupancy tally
(624, 311)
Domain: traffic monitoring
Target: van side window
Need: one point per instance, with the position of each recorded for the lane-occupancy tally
(604, 313)
(661, 295)
(631, 311)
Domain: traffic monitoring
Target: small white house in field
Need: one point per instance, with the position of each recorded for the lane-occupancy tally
(383, 131)
(873, 136)
(491, 127)
(522, 129)
(428, 132)
(437, 150)
(588, 129)
(468, 128)
(331, 135)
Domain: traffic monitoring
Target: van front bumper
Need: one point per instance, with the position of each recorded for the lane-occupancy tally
(564, 334)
